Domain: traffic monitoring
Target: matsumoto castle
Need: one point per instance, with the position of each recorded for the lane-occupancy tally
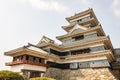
(85, 53)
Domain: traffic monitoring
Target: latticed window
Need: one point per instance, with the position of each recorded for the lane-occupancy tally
(37, 60)
(78, 37)
(73, 65)
(30, 58)
(81, 51)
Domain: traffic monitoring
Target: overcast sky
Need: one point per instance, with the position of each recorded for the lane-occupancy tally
(23, 21)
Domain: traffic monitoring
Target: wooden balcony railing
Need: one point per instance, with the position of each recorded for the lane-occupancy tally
(26, 62)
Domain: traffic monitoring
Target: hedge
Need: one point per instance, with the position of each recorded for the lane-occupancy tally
(41, 78)
(9, 75)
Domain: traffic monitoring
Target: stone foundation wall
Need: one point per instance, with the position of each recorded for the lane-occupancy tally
(80, 74)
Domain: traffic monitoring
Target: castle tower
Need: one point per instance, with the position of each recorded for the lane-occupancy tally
(86, 53)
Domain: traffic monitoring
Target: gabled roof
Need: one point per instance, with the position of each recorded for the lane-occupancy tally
(29, 47)
(47, 42)
(68, 27)
(78, 32)
(44, 41)
(89, 11)
(91, 21)
(77, 27)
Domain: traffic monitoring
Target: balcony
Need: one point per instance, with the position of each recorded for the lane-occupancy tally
(26, 62)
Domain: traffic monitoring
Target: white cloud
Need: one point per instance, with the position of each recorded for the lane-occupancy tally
(47, 5)
(85, 4)
(116, 7)
(54, 5)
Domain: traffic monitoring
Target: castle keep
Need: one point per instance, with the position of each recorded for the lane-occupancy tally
(86, 53)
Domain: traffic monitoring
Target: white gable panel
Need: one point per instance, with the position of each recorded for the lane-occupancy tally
(77, 26)
(37, 49)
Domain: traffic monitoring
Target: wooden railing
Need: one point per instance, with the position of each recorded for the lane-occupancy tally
(26, 62)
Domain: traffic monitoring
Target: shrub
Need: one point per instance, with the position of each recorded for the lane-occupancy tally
(41, 78)
(9, 75)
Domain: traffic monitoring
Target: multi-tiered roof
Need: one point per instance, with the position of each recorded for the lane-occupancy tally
(84, 46)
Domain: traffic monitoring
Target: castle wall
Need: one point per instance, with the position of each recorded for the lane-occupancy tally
(81, 74)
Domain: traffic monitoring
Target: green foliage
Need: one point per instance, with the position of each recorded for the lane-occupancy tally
(41, 78)
(9, 75)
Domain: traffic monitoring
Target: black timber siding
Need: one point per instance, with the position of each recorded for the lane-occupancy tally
(77, 65)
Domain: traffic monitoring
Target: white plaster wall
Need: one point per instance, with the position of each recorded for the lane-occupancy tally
(33, 67)
(17, 68)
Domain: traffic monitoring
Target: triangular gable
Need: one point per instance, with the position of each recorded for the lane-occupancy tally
(45, 40)
(77, 28)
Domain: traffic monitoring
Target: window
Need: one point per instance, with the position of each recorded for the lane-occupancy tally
(84, 19)
(81, 51)
(80, 20)
(78, 37)
(27, 57)
(42, 61)
(37, 60)
(84, 65)
(73, 65)
(30, 58)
